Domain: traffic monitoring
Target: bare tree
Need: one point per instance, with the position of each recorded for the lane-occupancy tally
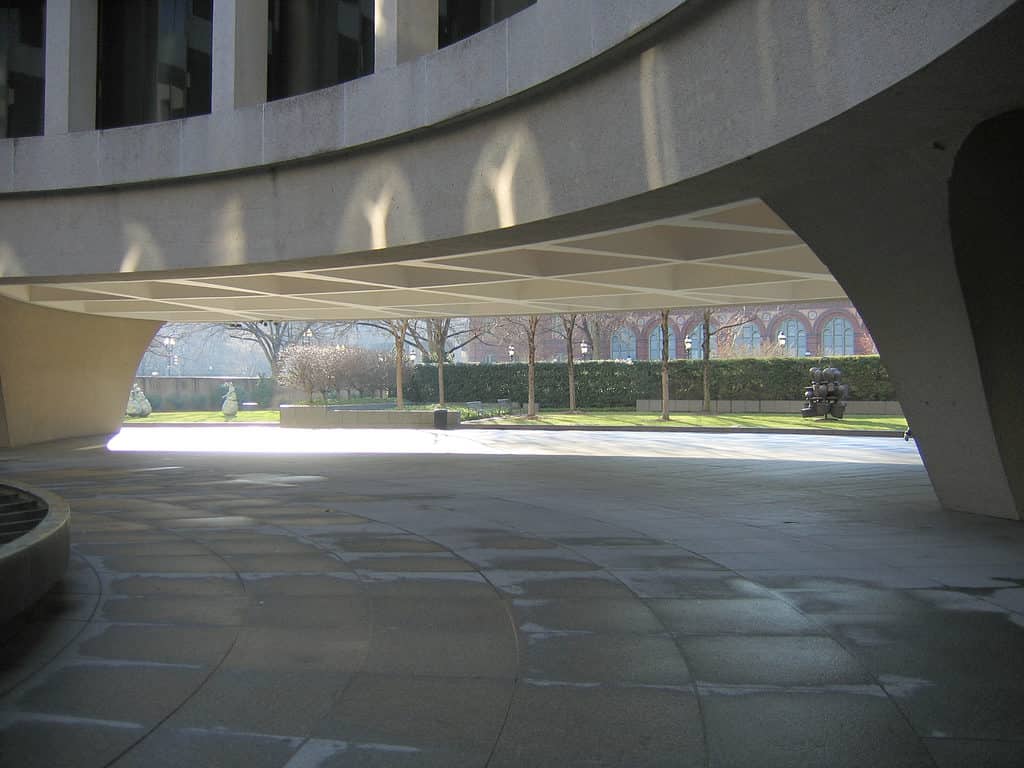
(359, 368)
(598, 327)
(569, 324)
(400, 331)
(664, 365)
(442, 337)
(525, 328)
(736, 320)
(274, 336)
(310, 368)
(170, 346)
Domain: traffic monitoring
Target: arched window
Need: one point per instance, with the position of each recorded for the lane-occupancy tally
(747, 341)
(837, 338)
(623, 344)
(654, 343)
(696, 336)
(796, 338)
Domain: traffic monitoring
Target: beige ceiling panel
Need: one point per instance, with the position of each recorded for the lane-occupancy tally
(686, 277)
(153, 289)
(51, 293)
(804, 290)
(798, 260)
(17, 292)
(541, 290)
(468, 309)
(257, 303)
(292, 285)
(752, 214)
(684, 243)
(540, 263)
(409, 275)
(394, 298)
(188, 316)
(102, 306)
(625, 303)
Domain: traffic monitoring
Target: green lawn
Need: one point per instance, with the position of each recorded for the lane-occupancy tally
(740, 420)
(591, 419)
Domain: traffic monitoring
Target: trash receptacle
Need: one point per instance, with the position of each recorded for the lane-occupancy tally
(441, 418)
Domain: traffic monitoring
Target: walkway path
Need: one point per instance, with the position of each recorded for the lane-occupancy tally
(538, 599)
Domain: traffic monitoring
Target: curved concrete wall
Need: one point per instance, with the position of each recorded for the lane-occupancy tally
(64, 374)
(714, 84)
(511, 57)
(33, 563)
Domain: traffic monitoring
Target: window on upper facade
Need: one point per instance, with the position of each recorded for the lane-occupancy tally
(837, 337)
(316, 44)
(458, 19)
(154, 61)
(747, 340)
(22, 67)
(796, 338)
(696, 337)
(654, 344)
(623, 346)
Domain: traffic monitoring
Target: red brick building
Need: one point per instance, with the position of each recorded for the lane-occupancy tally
(807, 330)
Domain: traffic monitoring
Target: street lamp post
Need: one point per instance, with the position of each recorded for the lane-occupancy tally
(169, 342)
(511, 358)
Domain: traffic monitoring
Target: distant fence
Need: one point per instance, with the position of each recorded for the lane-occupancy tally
(206, 393)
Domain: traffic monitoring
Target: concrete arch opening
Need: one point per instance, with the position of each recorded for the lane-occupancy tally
(801, 201)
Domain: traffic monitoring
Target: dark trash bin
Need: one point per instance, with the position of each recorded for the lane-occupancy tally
(441, 418)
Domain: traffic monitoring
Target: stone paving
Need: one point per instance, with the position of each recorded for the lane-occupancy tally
(554, 599)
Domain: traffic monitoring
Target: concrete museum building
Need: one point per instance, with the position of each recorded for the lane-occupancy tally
(222, 160)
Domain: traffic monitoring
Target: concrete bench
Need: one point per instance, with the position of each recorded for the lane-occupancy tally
(322, 417)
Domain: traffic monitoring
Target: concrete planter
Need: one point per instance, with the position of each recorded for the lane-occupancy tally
(326, 417)
(32, 563)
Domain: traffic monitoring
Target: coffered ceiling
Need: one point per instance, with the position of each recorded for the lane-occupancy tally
(731, 255)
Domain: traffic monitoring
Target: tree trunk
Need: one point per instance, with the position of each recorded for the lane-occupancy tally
(706, 356)
(440, 380)
(399, 374)
(664, 365)
(400, 364)
(569, 323)
(531, 345)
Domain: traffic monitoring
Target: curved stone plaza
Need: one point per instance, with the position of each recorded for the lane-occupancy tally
(551, 598)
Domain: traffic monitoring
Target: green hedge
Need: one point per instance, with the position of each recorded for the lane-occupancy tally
(620, 385)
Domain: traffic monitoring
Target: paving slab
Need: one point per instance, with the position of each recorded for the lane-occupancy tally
(792, 729)
(558, 725)
(457, 715)
(515, 599)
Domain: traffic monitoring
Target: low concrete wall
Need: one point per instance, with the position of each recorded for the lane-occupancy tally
(853, 407)
(34, 562)
(188, 389)
(324, 417)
